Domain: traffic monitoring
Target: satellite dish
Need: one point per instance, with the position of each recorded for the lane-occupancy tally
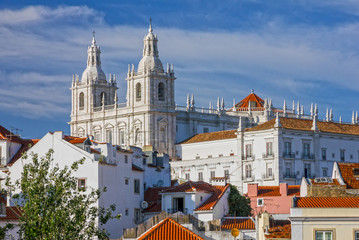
(144, 204)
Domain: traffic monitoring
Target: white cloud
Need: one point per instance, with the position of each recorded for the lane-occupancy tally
(33, 14)
(282, 58)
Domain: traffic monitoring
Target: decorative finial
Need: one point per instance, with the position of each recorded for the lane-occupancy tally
(93, 38)
(277, 123)
(252, 90)
(150, 28)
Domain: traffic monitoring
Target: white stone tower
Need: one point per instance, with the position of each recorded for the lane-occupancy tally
(93, 91)
(150, 94)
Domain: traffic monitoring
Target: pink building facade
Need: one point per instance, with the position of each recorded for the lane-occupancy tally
(272, 199)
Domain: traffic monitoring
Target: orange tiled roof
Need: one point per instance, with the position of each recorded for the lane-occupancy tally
(169, 229)
(346, 170)
(12, 213)
(327, 202)
(7, 135)
(334, 183)
(211, 136)
(306, 125)
(242, 223)
(136, 168)
(280, 229)
(273, 191)
(210, 203)
(95, 151)
(250, 98)
(26, 144)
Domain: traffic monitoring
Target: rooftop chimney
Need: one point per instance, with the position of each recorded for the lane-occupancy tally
(253, 190)
(283, 189)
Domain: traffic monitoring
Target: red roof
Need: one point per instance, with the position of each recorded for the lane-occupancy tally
(250, 98)
(280, 229)
(153, 198)
(12, 213)
(241, 223)
(327, 202)
(209, 204)
(306, 125)
(350, 178)
(211, 136)
(7, 135)
(273, 191)
(169, 230)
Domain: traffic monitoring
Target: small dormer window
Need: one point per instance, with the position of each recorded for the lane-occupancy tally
(201, 199)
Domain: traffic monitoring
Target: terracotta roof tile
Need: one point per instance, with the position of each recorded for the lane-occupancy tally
(242, 223)
(280, 229)
(171, 230)
(26, 144)
(306, 125)
(12, 213)
(211, 136)
(244, 103)
(95, 151)
(210, 203)
(327, 202)
(273, 191)
(350, 178)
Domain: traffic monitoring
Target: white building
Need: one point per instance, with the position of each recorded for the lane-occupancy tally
(202, 200)
(125, 173)
(150, 115)
(280, 150)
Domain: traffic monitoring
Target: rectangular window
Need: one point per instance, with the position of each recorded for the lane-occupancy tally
(249, 150)
(187, 176)
(342, 155)
(197, 157)
(209, 156)
(137, 215)
(122, 137)
(144, 161)
(200, 176)
(269, 170)
(81, 183)
(306, 150)
(126, 181)
(109, 136)
(226, 173)
(287, 148)
(307, 170)
(356, 235)
(323, 235)
(325, 172)
(205, 130)
(269, 149)
(324, 154)
(248, 171)
(213, 174)
(126, 212)
(220, 155)
(126, 159)
(136, 184)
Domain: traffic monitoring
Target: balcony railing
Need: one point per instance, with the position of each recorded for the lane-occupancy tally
(308, 156)
(248, 178)
(248, 157)
(268, 155)
(174, 210)
(266, 176)
(290, 175)
(289, 155)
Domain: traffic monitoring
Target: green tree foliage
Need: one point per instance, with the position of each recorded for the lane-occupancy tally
(53, 207)
(238, 205)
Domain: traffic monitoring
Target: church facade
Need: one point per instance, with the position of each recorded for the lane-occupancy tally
(150, 116)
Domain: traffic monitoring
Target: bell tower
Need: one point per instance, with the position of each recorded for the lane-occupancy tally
(150, 92)
(92, 92)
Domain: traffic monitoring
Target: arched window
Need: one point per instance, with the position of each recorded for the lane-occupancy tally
(138, 92)
(103, 96)
(82, 101)
(137, 136)
(161, 92)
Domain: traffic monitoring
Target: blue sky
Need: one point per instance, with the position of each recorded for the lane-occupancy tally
(302, 50)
